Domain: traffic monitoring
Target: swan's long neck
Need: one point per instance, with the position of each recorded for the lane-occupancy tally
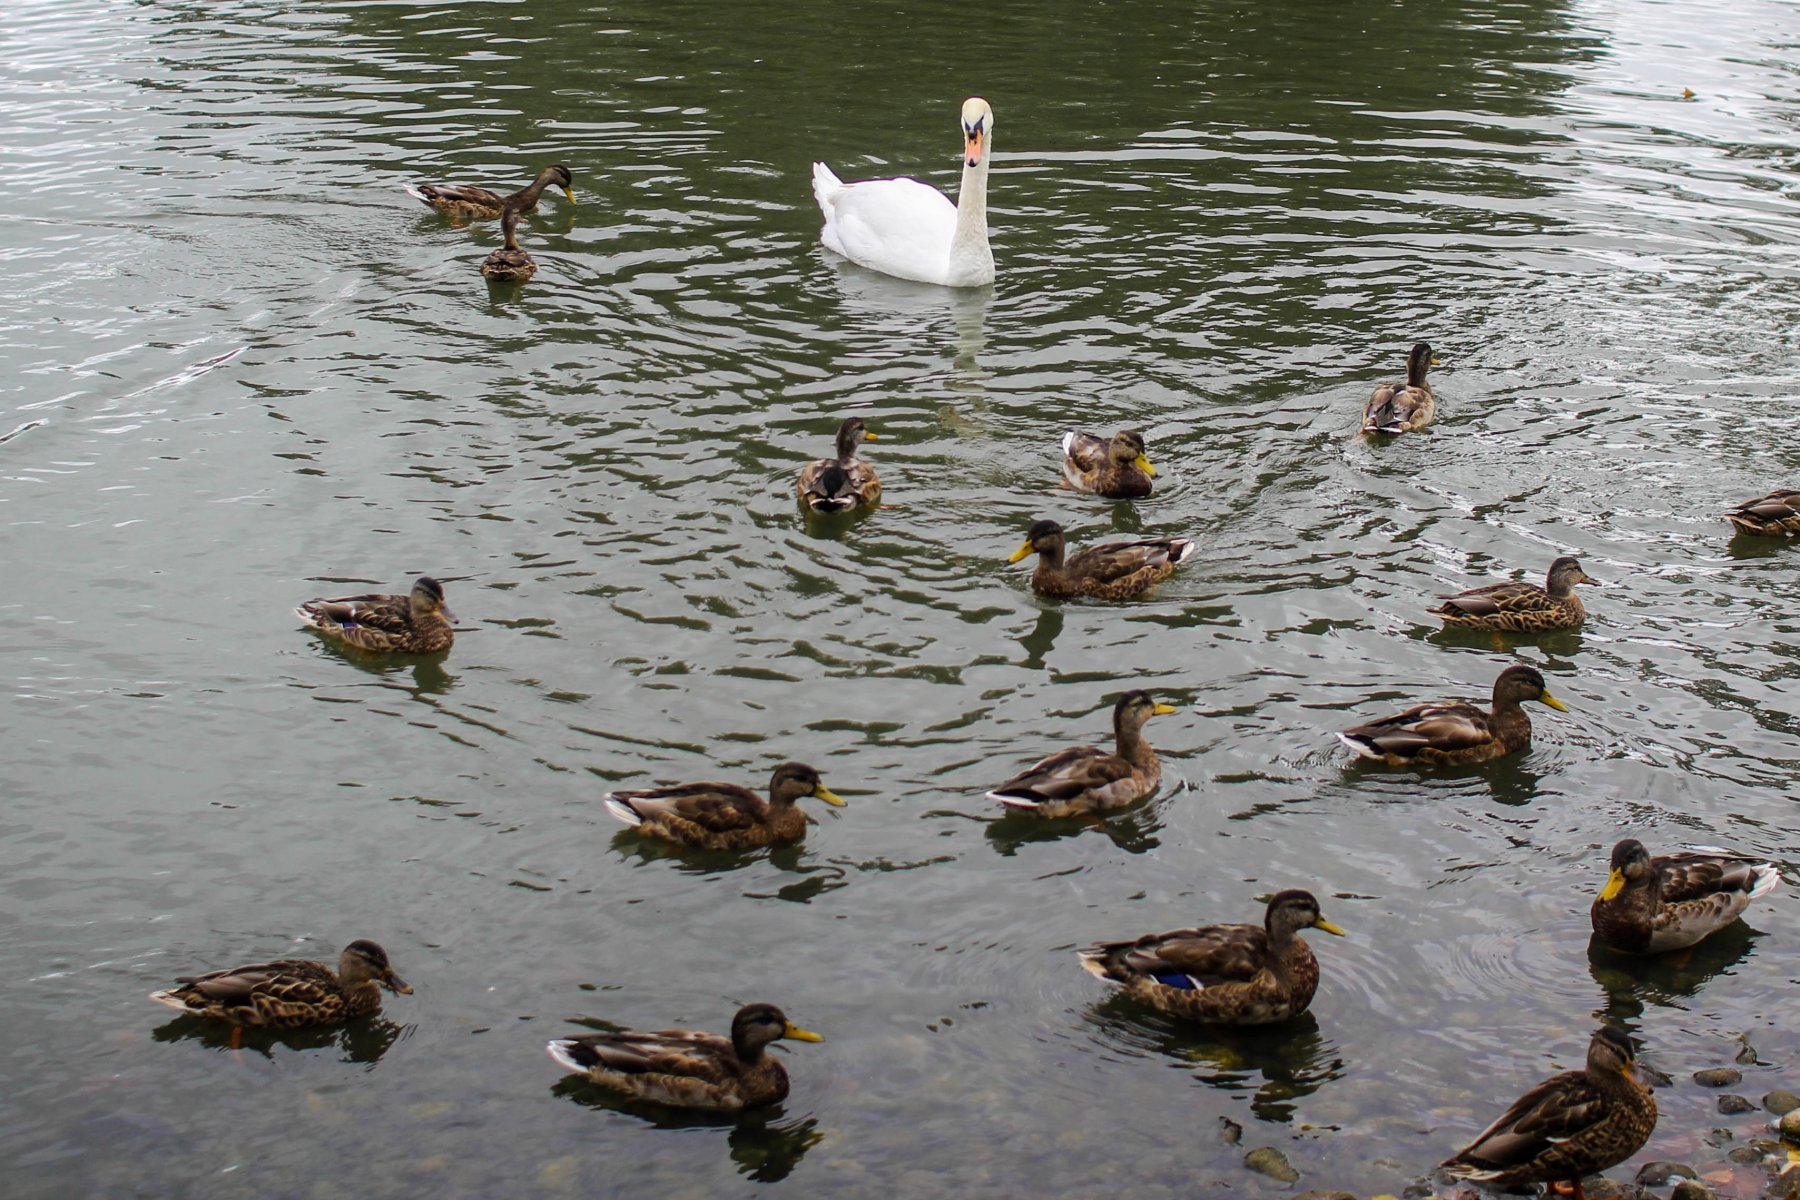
(971, 259)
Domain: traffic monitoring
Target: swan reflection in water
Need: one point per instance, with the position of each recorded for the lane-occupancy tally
(765, 1143)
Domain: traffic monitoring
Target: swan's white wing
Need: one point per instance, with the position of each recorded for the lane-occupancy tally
(896, 226)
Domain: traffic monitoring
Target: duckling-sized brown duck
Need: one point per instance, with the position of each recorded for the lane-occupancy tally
(1650, 905)
(289, 993)
(465, 202)
(1771, 515)
(836, 484)
(1116, 468)
(1087, 779)
(510, 263)
(1403, 407)
(1225, 974)
(1573, 1124)
(1111, 571)
(383, 624)
(1456, 731)
(724, 816)
(1521, 607)
(688, 1069)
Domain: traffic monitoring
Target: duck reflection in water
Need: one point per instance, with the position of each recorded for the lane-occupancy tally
(1634, 982)
(765, 1143)
(361, 1041)
(1133, 831)
(1277, 1064)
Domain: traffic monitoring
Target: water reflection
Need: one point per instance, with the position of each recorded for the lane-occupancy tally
(764, 1144)
(1276, 1064)
(360, 1041)
(1042, 639)
(1132, 830)
(1633, 982)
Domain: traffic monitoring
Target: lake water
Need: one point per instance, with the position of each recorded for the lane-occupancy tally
(243, 368)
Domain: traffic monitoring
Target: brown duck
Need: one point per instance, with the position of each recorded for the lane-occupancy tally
(1771, 515)
(289, 993)
(463, 201)
(1117, 467)
(1225, 974)
(836, 484)
(510, 263)
(1521, 607)
(1111, 571)
(685, 1068)
(383, 624)
(724, 816)
(1650, 905)
(1403, 407)
(1456, 731)
(1087, 779)
(1570, 1125)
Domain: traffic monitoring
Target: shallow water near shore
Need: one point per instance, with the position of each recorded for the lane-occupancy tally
(246, 369)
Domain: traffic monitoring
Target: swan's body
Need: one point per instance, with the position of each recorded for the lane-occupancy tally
(910, 229)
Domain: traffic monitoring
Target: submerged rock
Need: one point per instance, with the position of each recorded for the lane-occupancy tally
(1692, 1189)
(1790, 1125)
(1266, 1160)
(1732, 1104)
(1780, 1103)
(1659, 1174)
(1719, 1077)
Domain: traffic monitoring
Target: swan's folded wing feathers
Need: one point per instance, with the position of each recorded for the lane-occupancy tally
(898, 226)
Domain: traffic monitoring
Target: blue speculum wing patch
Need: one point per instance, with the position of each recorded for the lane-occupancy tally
(1186, 983)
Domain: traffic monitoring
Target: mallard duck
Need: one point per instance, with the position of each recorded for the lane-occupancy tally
(1226, 974)
(1570, 1125)
(724, 816)
(1087, 779)
(1456, 731)
(415, 624)
(1772, 515)
(1403, 407)
(835, 484)
(1112, 571)
(461, 200)
(290, 993)
(509, 263)
(686, 1068)
(1669, 902)
(1521, 607)
(909, 229)
(1117, 468)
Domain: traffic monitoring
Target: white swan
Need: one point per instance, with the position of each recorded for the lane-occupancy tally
(910, 229)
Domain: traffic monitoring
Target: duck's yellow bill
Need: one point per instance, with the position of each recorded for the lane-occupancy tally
(570, 193)
(1143, 464)
(1615, 883)
(824, 793)
(1163, 710)
(1022, 552)
(1328, 927)
(869, 437)
(801, 1035)
(1553, 702)
(398, 985)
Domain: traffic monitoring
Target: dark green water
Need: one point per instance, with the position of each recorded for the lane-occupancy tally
(244, 368)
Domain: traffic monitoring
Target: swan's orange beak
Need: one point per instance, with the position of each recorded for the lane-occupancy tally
(976, 141)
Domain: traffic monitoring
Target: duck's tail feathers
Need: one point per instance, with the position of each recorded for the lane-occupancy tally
(1363, 749)
(1024, 803)
(622, 811)
(170, 999)
(559, 1051)
(1767, 879)
(1094, 963)
(830, 503)
(307, 617)
(416, 191)
(1182, 549)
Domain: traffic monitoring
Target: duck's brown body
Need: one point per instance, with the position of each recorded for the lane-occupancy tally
(386, 624)
(1455, 731)
(1521, 607)
(1403, 407)
(1225, 974)
(465, 202)
(1111, 571)
(1117, 467)
(289, 993)
(724, 816)
(1772, 515)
